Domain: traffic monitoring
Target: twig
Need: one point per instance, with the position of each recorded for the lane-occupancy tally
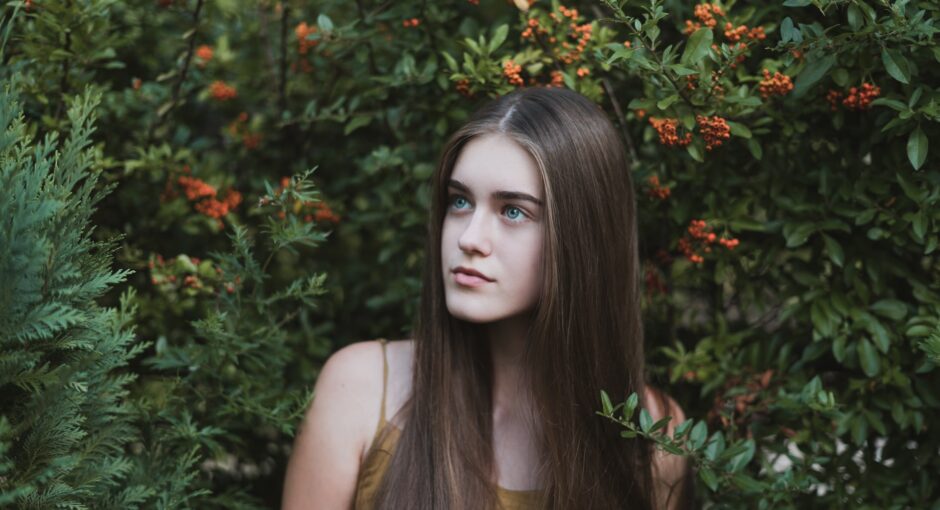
(182, 77)
(362, 14)
(282, 86)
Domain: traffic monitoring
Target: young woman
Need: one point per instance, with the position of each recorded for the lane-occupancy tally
(529, 308)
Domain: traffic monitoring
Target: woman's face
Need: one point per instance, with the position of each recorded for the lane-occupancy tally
(494, 224)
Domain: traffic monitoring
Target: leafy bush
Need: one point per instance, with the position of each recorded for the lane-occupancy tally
(788, 219)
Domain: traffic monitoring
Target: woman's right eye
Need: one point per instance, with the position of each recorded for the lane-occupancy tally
(454, 200)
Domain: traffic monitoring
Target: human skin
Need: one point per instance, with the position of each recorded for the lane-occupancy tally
(501, 238)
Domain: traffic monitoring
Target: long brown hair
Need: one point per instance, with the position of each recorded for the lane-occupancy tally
(585, 335)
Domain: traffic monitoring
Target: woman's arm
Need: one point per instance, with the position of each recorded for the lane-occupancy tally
(669, 471)
(324, 463)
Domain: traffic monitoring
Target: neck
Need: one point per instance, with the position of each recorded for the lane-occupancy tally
(507, 341)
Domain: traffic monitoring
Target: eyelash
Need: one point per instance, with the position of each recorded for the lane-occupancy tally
(453, 196)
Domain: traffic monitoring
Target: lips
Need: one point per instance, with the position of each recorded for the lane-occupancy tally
(471, 272)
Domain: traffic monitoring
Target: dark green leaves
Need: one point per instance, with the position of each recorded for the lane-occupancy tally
(917, 148)
(868, 358)
(697, 47)
(813, 71)
(897, 65)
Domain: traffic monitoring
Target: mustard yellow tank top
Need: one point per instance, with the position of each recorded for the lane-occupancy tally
(377, 459)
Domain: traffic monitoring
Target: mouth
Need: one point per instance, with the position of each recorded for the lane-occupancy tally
(470, 277)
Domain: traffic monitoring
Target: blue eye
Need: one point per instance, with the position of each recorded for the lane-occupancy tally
(519, 216)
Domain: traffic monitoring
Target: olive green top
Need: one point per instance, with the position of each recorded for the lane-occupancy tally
(380, 453)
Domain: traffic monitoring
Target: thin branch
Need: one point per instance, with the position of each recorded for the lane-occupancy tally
(362, 14)
(177, 87)
(282, 88)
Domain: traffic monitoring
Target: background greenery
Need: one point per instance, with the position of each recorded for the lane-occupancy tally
(203, 199)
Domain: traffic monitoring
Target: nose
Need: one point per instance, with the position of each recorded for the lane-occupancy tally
(476, 236)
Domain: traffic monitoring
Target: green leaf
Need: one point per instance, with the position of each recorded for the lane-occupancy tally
(747, 484)
(630, 406)
(660, 424)
(742, 459)
(917, 148)
(667, 101)
(891, 103)
(708, 476)
(910, 189)
(681, 70)
(738, 129)
(754, 147)
(357, 122)
(798, 235)
(786, 30)
(672, 449)
(698, 435)
(697, 46)
(682, 428)
(646, 421)
(855, 17)
(810, 74)
(890, 308)
(695, 151)
(834, 250)
(919, 224)
(451, 63)
(868, 357)
(499, 36)
(796, 3)
(605, 401)
(325, 23)
(896, 65)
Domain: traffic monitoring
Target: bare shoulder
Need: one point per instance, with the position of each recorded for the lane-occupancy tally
(325, 460)
(669, 471)
(400, 355)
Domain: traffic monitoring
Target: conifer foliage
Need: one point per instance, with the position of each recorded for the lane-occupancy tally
(64, 421)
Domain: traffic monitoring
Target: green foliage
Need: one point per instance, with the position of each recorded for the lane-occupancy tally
(65, 418)
(801, 338)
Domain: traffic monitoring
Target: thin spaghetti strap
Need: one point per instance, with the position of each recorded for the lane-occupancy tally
(384, 382)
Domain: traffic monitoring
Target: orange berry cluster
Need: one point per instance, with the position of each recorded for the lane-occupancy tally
(205, 197)
(511, 71)
(204, 54)
(533, 23)
(222, 91)
(861, 98)
(301, 32)
(463, 88)
(640, 113)
(699, 240)
(706, 15)
(858, 98)
(413, 22)
(715, 130)
(778, 84)
(668, 136)
(734, 34)
(238, 128)
(136, 83)
(583, 71)
(657, 191)
(558, 79)
(582, 33)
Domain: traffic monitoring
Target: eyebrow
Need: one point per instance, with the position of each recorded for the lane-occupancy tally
(499, 195)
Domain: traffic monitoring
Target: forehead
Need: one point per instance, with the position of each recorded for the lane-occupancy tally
(495, 162)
